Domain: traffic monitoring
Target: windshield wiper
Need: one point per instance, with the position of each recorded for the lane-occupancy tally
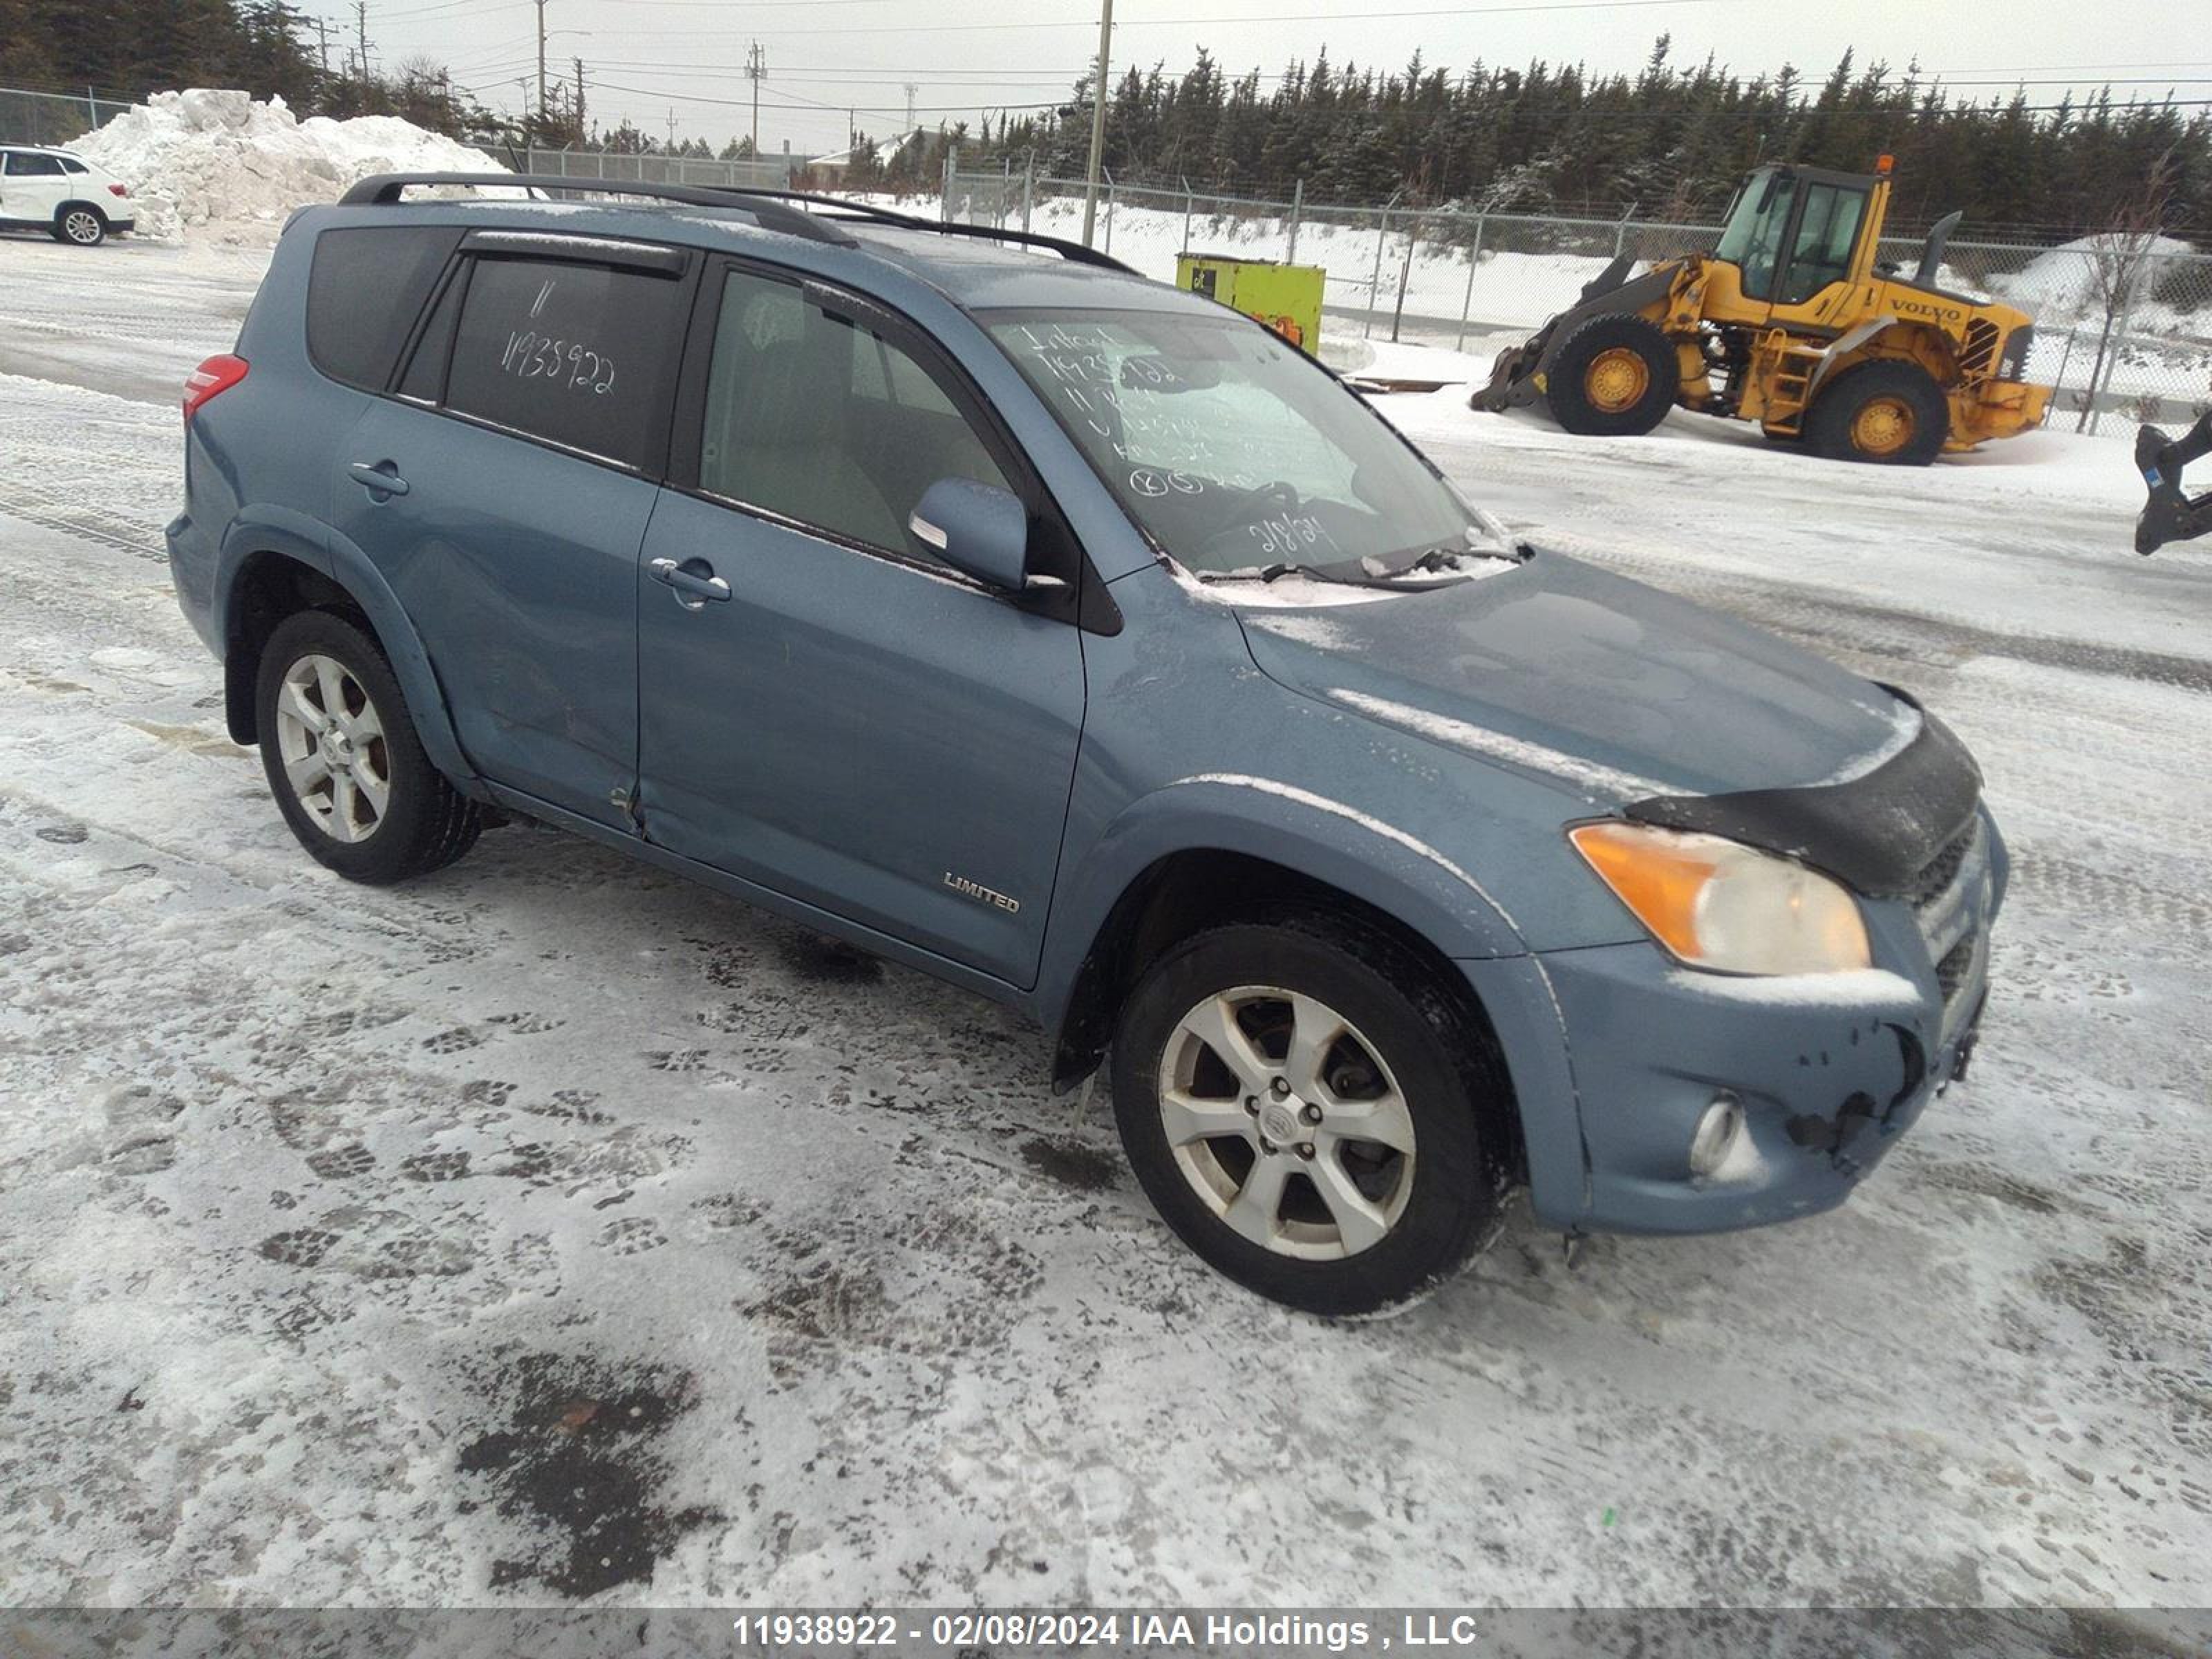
(1311, 572)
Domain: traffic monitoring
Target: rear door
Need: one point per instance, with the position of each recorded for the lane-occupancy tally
(503, 491)
(848, 720)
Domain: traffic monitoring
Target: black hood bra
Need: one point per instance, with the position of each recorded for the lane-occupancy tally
(1876, 833)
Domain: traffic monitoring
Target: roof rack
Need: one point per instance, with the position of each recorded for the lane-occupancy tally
(771, 208)
(381, 189)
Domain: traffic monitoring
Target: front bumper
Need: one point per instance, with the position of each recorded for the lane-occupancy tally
(1829, 1071)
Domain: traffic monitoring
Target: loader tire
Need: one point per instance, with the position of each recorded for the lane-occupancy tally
(1613, 377)
(1887, 413)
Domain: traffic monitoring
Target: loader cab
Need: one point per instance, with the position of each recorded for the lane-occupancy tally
(1794, 231)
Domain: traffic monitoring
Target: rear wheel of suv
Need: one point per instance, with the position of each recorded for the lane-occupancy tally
(342, 759)
(1308, 1116)
(80, 226)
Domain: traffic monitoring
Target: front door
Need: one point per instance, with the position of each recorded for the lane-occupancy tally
(505, 499)
(827, 710)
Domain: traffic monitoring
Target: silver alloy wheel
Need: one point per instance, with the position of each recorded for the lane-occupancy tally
(331, 741)
(1287, 1122)
(81, 226)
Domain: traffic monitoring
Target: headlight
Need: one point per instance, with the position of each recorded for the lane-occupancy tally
(1716, 903)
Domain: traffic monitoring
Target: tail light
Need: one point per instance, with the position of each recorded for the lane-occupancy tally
(217, 374)
(118, 189)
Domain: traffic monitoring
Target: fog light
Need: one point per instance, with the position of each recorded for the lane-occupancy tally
(1718, 1126)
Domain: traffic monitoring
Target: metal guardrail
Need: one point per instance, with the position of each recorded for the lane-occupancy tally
(2122, 326)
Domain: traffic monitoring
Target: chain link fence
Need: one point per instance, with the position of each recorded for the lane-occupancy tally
(768, 172)
(2122, 326)
(52, 118)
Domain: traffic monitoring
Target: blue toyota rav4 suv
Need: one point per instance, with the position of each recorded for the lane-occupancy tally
(1082, 642)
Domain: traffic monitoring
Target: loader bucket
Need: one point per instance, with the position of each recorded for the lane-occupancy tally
(2171, 514)
(1512, 382)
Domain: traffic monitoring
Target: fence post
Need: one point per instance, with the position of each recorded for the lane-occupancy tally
(2058, 380)
(2139, 279)
(1405, 276)
(92, 108)
(1620, 230)
(1474, 259)
(1186, 213)
(1107, 246)
(1298, 201)
(1028, 191)
(1375, 285)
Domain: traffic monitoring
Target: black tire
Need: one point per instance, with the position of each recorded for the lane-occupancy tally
(1834, 427)
(1445, 1068)
(424, 824)
(80, 224)
(1621, 341)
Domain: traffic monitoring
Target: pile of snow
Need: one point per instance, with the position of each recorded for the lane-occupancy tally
(216, 163)
(2062, 281)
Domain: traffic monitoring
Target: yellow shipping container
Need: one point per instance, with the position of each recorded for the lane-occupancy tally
(1286, 298)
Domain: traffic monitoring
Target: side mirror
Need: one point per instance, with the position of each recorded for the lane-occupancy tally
(976, 528)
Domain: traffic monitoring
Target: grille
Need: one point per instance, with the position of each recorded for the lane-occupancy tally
(1981, 347)
(1952, 972)
(1936, 877)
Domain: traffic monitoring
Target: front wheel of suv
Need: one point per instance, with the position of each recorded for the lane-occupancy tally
(342, 759)
(1308, 1116)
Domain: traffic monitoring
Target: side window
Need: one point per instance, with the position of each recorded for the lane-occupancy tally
(363, 293)
(1825, 232)
(815, 418)
(579, 355)
(70, 164)
(22, 164)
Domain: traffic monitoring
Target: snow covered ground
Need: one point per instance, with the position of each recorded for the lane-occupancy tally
(553, 1230)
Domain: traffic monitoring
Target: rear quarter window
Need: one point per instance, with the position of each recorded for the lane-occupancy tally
(364, 292)
(581, 356)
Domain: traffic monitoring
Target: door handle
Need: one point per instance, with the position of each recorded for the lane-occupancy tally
(381, 479)
(695, 577)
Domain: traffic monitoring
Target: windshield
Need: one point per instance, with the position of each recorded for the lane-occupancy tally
(1234, 451)
(1752, 239)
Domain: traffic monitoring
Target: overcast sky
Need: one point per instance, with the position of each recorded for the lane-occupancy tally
(647, 59)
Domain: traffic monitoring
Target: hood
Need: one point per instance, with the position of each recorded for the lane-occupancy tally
(1613, 689)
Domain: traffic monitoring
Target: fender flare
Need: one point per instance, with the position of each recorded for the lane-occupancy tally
(1322, 839)
(261, 530)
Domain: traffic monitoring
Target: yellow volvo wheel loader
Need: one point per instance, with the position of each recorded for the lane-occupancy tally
(1791, 322)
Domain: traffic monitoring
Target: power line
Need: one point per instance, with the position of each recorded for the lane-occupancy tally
(1271, 17)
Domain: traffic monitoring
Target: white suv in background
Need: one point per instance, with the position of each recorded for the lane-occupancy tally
(53, 191)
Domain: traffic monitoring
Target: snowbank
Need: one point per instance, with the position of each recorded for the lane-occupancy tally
(2062, 281)
(217, 164)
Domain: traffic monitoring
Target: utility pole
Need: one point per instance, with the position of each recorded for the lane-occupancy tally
(361, 17)
(541, 65)
(579, 100)
(756, 67)
(323, 38)
(911, 89)
(672, 132)
(1097, 120)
